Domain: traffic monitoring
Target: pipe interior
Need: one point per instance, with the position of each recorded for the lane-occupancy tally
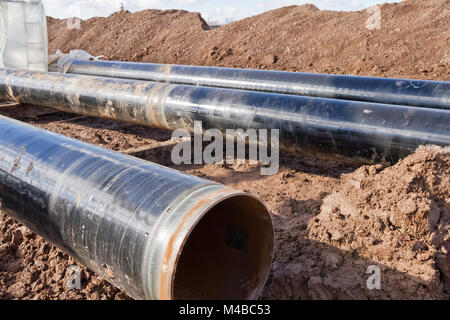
(228, 254)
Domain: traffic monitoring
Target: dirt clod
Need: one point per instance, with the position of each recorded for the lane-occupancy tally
(17, 237)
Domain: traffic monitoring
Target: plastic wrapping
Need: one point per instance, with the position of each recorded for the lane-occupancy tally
(23, 35)
(420, 93)
(154, 232)
(338, 129)
(62, 62)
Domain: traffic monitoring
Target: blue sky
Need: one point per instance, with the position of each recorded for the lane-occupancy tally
(212, 10)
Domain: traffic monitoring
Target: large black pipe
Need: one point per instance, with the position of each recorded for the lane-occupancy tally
(152, 231)
(420, 93)
(340, 129)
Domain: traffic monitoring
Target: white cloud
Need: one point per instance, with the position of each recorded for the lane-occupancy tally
(187, 1)
(224, 15)
(80, 8)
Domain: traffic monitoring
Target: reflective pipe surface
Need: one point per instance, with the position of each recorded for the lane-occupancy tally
(338, 129)
(152, 231)
(421, 93)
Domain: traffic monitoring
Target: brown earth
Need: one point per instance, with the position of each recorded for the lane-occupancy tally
(413, 41)
(332, 221)
(396, 218)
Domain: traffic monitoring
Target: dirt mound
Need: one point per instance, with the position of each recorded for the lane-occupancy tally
(397, 218)
(413, 41)
(126, 36)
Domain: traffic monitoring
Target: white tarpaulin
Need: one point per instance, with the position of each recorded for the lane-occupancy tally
(23, 35)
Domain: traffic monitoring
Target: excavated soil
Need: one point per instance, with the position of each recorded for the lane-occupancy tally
(413, 41)
(395, 218)
(332, 221)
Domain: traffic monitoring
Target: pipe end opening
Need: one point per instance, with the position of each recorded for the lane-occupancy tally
(228, 253)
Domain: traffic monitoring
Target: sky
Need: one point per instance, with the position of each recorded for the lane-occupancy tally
(219, 11)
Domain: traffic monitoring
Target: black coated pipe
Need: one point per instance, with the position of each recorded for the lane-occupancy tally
(154, 232)
(420, 93)
(340, 129)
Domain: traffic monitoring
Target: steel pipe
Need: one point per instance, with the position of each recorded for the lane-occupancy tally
(154, 232)
(338, 129)
(420, 93)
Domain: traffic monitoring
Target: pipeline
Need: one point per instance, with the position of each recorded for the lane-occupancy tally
(420, 93)
(340, 129)
(152, 231)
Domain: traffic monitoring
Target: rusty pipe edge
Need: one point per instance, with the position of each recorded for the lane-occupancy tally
(152, 231)
(167, 252)
(342, 130)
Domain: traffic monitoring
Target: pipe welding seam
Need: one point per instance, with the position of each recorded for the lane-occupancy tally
(152, 231)
(339, 129)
